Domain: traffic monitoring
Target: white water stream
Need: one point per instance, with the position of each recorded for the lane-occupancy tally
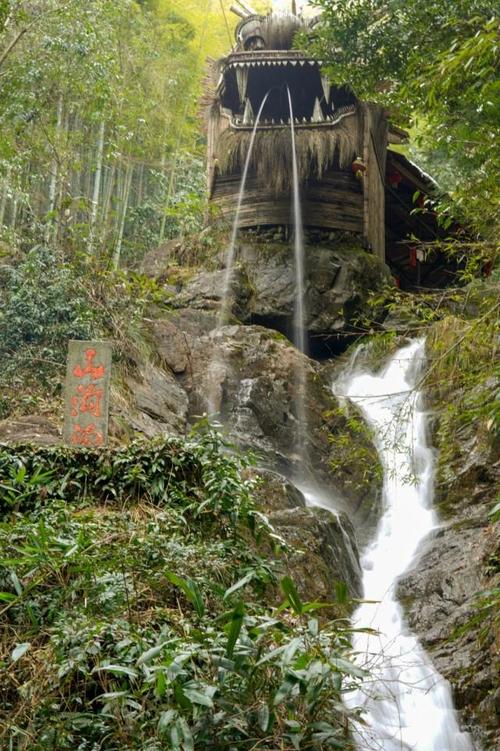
(229, 261)
(216, 365)
(407, 704)
(299, 312)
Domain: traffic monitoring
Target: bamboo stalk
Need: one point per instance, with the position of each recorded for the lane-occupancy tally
(97, 187)
(126, 194)
(53, 173)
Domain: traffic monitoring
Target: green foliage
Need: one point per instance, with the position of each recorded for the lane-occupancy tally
(196, 474)
(101, 149)
(436, 65)
(47, 300)
(44, 305)
(139, 617)
(352, 446)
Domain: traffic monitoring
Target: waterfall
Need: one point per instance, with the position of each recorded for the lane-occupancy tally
(226, 291)
(216, 365)
(407, 704)
(299, 312)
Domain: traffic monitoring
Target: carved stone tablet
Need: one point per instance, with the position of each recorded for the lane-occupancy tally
(87, 394)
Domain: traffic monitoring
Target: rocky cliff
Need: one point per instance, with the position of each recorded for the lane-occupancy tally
(245, 372)
(450, 595)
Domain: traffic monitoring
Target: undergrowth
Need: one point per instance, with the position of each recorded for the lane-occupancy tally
(137, 609)
(47, 299)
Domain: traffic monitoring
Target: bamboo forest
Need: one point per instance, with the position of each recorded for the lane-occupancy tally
(249, 375)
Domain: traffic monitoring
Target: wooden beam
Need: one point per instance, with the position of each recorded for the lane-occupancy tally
(249, 10)
(238, 12)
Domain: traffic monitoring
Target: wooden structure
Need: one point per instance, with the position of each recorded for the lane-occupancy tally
(341, 142)
(350, 179)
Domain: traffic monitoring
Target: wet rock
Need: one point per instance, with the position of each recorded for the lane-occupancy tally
(338, 280)
(205, 291)
(248, 375)
(275, 493)
(321, 547)
(319, 555)
(157, 402)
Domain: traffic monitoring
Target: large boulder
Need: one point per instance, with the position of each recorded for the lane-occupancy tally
(249, 377)
(339, 277)
(151, 401)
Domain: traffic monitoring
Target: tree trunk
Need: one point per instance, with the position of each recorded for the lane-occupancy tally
(53, 173)
(126, 194)
(108, 195)
(15, 207)
(5, 191)
(97, 188)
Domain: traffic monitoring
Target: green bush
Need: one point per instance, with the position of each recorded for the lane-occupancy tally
(44, 303)
(142, 616)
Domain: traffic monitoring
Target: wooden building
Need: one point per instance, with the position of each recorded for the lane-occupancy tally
(349, 179)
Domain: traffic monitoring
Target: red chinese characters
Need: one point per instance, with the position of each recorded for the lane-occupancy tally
(87, 401)
(88, 436)
(94, 371)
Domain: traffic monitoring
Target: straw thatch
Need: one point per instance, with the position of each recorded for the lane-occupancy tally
(317, 149)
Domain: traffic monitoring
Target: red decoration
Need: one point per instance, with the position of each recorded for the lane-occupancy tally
(394, 178)
(88, 436)
(413, 256)
(358, 167)
(88, 401)
(94, 371)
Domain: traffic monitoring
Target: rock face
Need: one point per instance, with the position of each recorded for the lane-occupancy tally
(321, 547)
(29, 429)
(339, 276)
(248, 375)
(440, 595)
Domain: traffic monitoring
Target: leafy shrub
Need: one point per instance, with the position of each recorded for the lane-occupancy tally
(195, 474)
(45, 301)
(43, 304)
(135, 626)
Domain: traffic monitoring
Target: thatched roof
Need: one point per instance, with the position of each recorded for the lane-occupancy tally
(271, 157)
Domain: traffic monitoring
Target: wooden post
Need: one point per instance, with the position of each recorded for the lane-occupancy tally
(87, 394)
(374, 156)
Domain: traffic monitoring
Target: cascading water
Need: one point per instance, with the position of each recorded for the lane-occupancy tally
(299, 312)
(234, 232)
(407, 704)
(216, 364)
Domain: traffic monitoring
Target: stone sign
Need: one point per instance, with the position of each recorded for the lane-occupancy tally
(87, 394)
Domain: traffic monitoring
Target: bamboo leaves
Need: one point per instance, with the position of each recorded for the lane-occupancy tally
(128, 605)
(190, 589)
